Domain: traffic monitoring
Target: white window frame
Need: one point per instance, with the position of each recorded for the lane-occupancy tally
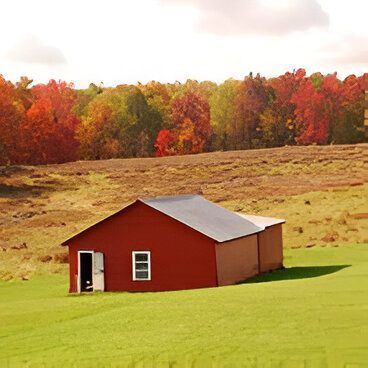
(148, 253)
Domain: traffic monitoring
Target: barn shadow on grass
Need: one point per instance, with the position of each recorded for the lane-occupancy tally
(295, 273)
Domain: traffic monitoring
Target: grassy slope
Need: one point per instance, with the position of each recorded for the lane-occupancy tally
(318, 190)
(316, 315)
(297, 321)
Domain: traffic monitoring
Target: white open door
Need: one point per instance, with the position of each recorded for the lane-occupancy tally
(98, 272)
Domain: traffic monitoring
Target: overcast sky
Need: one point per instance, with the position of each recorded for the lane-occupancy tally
(125, 41)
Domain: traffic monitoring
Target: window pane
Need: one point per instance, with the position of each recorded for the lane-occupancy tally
(141, 257)
(141, 266)
(141, 274)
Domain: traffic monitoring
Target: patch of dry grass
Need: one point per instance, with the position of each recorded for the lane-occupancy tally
(41, 206)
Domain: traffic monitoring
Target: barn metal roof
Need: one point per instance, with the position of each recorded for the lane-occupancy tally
(204, 216)
(261, 221)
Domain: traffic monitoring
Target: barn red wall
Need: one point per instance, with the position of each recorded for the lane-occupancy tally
(181, 258)
(270, 248)
(237, 260)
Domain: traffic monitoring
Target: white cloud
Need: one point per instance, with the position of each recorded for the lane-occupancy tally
(32, 50)
(119, 42)
(351, 50)
(244, 17)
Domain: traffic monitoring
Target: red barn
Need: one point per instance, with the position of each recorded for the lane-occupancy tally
(173, 243)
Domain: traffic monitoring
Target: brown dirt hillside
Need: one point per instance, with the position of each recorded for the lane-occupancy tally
(321, 191)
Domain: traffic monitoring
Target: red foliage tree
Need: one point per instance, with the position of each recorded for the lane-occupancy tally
(48, 130)
(165, 143)
(11, 113)
(318, 109)
(278, 120)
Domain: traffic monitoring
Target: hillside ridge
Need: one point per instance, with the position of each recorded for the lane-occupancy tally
(321, 191)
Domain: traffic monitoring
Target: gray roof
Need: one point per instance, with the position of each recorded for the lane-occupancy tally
(261, 221)
(204, 216)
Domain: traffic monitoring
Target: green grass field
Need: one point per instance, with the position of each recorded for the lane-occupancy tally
(312, 314)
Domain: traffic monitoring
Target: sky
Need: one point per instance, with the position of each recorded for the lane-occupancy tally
(126, 41)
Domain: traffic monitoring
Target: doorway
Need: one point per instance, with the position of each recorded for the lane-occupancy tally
(85, 271)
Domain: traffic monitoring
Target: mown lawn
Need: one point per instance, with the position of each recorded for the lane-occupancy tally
(313, 314)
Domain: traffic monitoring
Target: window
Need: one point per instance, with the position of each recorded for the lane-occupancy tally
(141, 265)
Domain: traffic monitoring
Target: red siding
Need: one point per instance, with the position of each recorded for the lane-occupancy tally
(181, 258)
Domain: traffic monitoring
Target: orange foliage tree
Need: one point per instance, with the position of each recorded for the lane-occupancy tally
(11, 115)
(191, 130)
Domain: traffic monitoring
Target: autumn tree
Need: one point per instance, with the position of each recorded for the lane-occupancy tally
(223, 113)
(148, 121)
(319, 106)
(349, 128)
(166, 143)
(99, 133)
(48, 128)
(251, 100)
(190, 129)
(158, 97)
(204, 89)
(42, 124)
(11, 115)
(119, 123)
(23, 92)
(191, 117)
(310, 115)
(278, 121)
(84, 97)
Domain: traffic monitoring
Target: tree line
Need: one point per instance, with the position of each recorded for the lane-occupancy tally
(55, 123)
